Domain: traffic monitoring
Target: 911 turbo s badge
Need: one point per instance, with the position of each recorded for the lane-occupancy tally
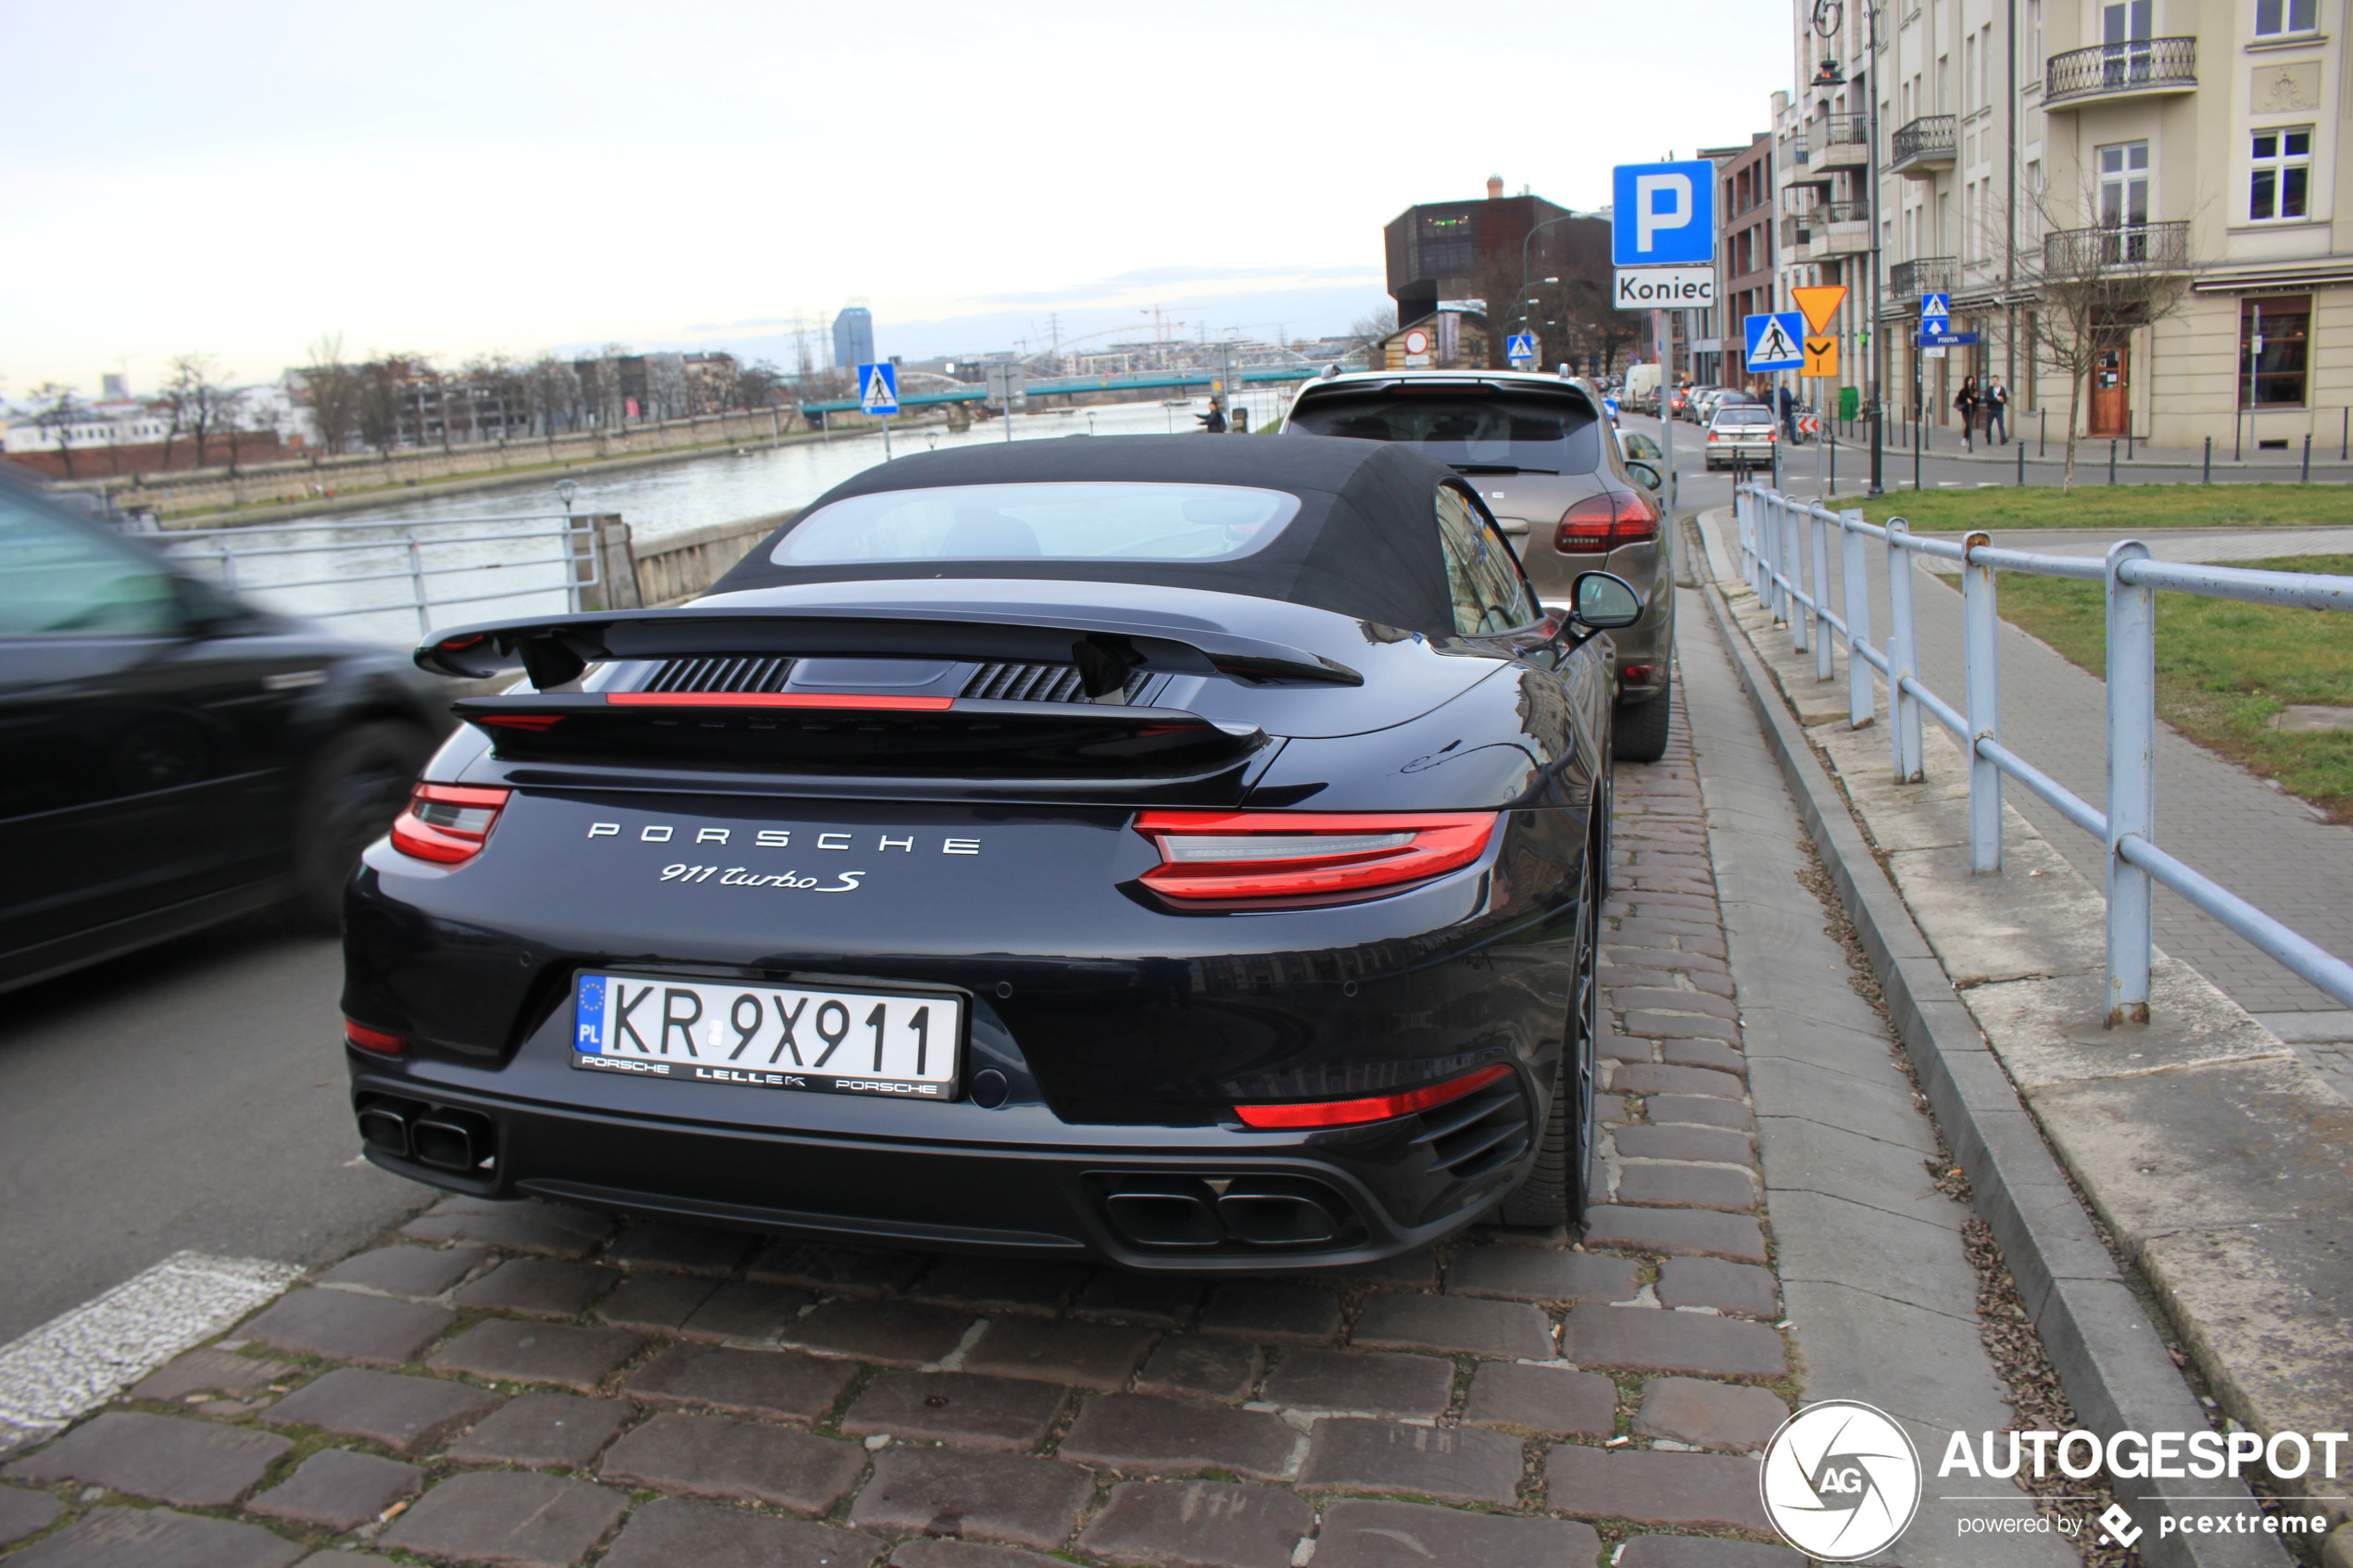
(744, 876)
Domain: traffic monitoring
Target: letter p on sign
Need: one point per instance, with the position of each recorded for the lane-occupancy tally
(1665, 214)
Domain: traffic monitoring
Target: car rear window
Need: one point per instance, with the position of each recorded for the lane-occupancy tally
(1040, 521)
(1475, 429)
(1746, 415)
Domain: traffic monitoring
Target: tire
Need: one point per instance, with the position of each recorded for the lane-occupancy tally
(1554, 1191)
(1639, 733)
(355, 786)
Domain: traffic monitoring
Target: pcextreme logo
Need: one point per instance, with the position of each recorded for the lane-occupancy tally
(1841, 1481)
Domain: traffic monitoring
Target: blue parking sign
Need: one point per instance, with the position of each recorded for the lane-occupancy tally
(1665, 214)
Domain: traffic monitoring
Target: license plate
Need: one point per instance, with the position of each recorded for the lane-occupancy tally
(898, 1045)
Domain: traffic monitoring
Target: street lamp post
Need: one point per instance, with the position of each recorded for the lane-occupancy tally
(1826, 24)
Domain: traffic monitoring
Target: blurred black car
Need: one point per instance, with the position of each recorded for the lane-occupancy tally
(1185, 853)
(170, 756)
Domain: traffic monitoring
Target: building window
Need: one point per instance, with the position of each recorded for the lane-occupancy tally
(2282, 180)
(2274, 349)
(1449, 246)
(2125, 185)
(2273, 17)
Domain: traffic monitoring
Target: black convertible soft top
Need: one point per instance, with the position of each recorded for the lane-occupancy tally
(1364, 543)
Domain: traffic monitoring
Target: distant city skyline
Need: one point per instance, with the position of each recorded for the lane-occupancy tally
(498, 179)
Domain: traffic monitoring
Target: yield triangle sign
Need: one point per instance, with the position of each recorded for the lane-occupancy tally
(1819, 301)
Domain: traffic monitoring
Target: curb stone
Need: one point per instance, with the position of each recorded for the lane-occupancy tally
(2115, 1370)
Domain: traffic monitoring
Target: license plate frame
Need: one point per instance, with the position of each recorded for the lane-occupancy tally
(920, 1028)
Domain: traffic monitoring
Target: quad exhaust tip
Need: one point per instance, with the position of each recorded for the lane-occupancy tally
(462, 1142)
(1185, 1211)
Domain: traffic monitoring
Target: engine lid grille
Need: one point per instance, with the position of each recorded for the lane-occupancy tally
(1037, 683)
(726, 674)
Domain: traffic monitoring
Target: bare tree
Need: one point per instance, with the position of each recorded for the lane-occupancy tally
(61, 410)
(331, 390)
(1368, 330)
(200, 401)
(2097, 286)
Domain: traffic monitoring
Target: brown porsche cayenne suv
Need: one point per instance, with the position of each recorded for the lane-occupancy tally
(1539, 451)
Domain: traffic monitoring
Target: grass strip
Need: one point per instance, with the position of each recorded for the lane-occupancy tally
(2127, 508)
(2224, 669)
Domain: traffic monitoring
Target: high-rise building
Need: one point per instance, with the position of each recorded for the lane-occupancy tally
(853, 337)
(2026, 145)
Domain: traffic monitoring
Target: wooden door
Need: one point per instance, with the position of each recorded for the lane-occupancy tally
(2111, 393)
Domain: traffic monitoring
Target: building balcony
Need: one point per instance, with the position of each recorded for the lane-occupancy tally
(2083, 254)
(2143, 69)
(1929, 274)
(1838, 141)
(1919, 149)
(1826, 228)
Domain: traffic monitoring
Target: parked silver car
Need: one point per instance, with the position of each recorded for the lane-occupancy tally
(1740, 432)
(1539, 451)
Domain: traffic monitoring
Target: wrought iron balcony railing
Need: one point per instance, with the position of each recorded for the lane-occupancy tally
(2128, 247)
(2144, 65)
(1839, 133)
(1929, 274)
(1926, 140)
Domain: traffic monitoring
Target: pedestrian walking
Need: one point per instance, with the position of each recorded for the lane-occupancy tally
(1965, 403)
(1213, 422)
(1789, 415)
(1997, 410)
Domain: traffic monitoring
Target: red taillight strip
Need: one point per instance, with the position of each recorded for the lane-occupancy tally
(413, 835)
(376, 1040)
(1443, 841)
(776, 699)
(1380, 1108)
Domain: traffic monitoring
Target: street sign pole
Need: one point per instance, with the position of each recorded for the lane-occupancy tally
(1661, 336)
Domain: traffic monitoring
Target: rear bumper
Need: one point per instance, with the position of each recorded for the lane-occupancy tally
(1385, 1189)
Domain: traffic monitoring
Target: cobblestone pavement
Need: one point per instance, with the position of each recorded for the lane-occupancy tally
(2256, 840)
(527, 1384)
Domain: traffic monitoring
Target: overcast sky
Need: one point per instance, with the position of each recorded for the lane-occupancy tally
(458, 178)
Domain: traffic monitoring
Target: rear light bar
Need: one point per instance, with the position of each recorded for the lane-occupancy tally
(1269, 855)
(1380, 1108)
(1606, 521)
(775, 699)
(448, 823)
(375, 1040)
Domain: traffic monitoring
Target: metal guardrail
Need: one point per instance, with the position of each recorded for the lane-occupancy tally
(1927, 138)
(2124, 247)
(1929, 274)
(2138, 65)
(415, 555)
(1784, 546)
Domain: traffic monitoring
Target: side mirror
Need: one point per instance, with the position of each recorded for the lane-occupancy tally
(1604, 601)
(1648, 477)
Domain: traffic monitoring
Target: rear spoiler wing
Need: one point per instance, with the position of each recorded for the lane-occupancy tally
(1106, 649)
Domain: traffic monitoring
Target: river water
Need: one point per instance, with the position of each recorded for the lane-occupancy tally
(492, 554)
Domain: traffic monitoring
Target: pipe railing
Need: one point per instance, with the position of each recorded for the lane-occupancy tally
(486, 554)
(1785, 554)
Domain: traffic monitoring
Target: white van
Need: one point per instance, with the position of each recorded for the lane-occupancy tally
(1641, 386)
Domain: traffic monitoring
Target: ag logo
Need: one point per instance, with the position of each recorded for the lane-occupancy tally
(1841, 1481)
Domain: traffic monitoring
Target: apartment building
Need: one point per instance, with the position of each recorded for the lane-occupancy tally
(2016, 141)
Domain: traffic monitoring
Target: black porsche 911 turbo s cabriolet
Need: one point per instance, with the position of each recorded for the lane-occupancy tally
(1184, 853)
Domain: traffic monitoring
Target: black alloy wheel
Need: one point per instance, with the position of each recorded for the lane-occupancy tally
(355, 786)
(1556, 1190)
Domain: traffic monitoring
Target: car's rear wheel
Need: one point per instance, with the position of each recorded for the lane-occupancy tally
(1554, 1191)
(1639, 733)
(355, 787)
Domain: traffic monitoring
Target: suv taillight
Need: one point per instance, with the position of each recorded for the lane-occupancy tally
(1606, 521)
(447, 823)
(1272, 855)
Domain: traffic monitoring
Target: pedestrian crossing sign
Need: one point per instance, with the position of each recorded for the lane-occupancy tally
(1520, 348)
(878, 388)
(1775, 341)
